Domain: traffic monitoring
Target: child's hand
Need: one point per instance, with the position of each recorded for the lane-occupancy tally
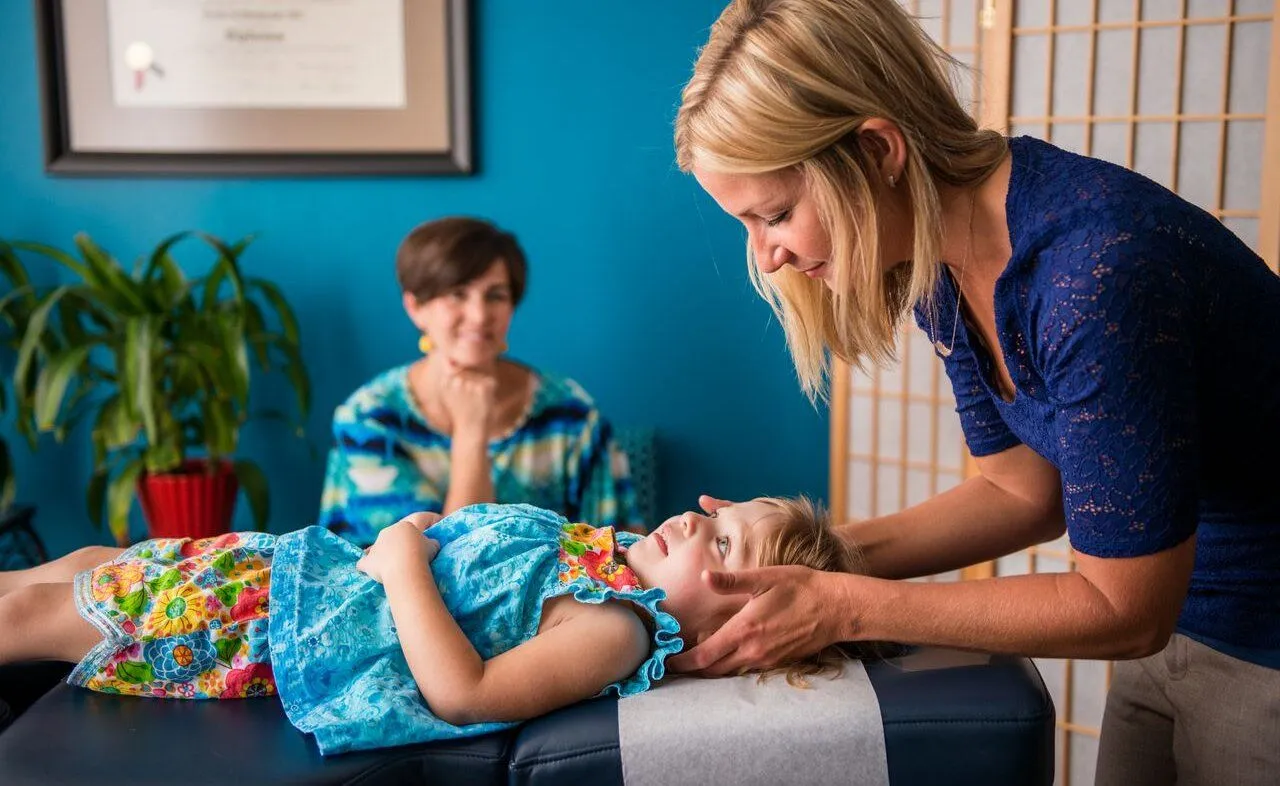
(423, 520)
(399, 546)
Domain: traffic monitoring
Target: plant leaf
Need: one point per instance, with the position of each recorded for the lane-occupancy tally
(59, 256)
(52, 383)
(120, 493)
(140, 335)
(220, 429)
(256, 491)
(296, 371)
(12, 268)
(15, 302)
(255, 328)
(95, 495)
(288, 321)
(114, 281)
(115, 427)
(8, 483)
(227, 267)
(34, 334)
(161, 252)
(239, 347)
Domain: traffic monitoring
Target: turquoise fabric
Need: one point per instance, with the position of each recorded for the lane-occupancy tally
(338, 664)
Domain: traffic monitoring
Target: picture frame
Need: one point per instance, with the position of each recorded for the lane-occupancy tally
(392, 97)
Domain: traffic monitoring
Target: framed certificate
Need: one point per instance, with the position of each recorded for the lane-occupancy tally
(246, 87)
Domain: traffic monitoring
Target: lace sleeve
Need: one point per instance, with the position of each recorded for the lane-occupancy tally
(1119, 359)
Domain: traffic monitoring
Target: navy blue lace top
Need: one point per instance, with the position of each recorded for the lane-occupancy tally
(1143, 339)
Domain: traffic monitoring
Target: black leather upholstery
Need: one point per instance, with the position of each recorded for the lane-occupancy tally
(977, 724)
(21, 684)
(75, 736)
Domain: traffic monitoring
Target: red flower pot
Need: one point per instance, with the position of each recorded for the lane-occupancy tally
(190, 503)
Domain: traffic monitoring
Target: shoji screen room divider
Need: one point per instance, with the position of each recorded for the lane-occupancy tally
(1186, 92)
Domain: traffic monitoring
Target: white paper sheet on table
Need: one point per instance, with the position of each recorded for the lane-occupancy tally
(737, 730)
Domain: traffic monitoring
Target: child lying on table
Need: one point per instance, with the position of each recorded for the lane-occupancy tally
(494, 614)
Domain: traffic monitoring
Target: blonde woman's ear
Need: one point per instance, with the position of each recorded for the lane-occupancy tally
(884, 143)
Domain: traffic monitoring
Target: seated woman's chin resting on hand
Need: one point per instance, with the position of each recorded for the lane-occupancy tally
(463, 424)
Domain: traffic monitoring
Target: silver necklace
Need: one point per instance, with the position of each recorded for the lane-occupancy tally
(944, 350)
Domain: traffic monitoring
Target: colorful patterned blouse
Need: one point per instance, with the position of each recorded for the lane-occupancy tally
(387, 461)
(337, 660)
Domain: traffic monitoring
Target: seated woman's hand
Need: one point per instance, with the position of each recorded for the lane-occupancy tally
(400, 545)
(470, 397)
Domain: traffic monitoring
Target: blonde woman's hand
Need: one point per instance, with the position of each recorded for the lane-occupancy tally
(793, 612)
(470, 397)
(399, 546)
(710, 504)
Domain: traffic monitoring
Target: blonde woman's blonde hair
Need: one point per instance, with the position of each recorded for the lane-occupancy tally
(786, 85)
(803, 536)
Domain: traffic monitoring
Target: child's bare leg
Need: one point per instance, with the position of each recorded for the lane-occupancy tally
(40, 622)
(62, 569)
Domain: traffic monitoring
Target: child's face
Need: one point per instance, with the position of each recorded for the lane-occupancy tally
(674, 555)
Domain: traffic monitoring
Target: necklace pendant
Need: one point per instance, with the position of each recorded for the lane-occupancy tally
(943, 349)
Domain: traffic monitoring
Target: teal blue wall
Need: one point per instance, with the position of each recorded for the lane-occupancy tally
(638, 287)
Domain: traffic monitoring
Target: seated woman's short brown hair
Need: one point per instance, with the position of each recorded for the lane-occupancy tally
(447, 253)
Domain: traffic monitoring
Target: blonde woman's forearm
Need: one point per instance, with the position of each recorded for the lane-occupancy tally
(971, 523)
(1055, 615)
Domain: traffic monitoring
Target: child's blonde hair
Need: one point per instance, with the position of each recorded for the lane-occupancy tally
(804, 537)
(786, 85)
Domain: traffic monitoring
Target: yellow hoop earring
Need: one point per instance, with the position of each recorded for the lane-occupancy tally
(425, 344)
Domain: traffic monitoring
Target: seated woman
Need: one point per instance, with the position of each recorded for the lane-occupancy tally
(463, 424)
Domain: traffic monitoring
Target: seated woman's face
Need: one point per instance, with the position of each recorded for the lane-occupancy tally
(469, 323)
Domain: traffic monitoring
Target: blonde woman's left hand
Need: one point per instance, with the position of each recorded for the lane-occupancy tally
(401, 545)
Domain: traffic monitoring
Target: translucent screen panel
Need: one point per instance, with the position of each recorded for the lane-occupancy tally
(1180, 91)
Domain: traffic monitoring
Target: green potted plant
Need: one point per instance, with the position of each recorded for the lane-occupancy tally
(161, 364)
(16, 302)
(20, 546)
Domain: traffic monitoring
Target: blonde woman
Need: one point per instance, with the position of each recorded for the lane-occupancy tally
(465, 423)
(1114, 355)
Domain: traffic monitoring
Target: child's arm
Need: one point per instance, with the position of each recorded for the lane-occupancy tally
(571, 661)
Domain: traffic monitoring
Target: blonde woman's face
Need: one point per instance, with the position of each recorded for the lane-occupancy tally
(781, 218)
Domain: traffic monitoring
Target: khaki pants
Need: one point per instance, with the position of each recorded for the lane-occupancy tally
(1191, 716)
